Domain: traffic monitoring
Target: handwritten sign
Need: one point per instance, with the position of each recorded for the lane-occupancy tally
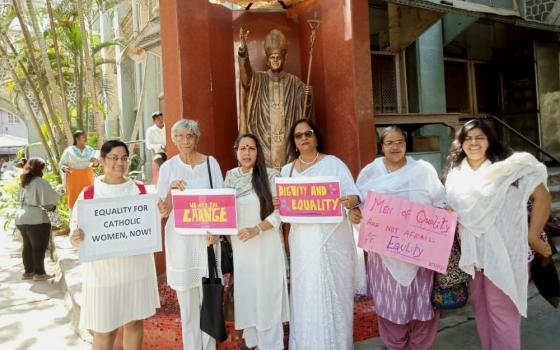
(309, 200)
(408, 231)
(119, 226)
(199, 211)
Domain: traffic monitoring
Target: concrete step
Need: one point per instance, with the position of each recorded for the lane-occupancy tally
(553, 176)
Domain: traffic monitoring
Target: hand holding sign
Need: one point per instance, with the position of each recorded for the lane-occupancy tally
(408, 231)
(309, 199)
(197, 211)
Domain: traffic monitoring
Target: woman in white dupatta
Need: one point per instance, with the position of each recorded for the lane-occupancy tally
(490, 194)
(322, 256)
(400, 290)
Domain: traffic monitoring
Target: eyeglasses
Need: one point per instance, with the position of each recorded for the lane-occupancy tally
(116, 159)
(307, 134)
(187, 137)
(397, 143)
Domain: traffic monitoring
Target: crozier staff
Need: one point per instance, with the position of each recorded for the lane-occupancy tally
(122, 291)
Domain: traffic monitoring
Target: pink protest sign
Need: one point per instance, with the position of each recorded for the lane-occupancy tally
(408, 231)
(309, 200)
(199, 211)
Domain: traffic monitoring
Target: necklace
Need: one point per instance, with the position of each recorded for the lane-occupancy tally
(311, 162)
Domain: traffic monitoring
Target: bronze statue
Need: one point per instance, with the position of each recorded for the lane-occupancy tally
(270, 101)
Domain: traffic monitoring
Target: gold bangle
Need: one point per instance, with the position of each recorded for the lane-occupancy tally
(260, 228)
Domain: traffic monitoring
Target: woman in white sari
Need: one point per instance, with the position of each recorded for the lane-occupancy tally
(490, 194)
(400, 290)
(322, 256)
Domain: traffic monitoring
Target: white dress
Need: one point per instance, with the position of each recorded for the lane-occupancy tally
(186, 256)
(260, 284)
(322, 258)
(117, 290)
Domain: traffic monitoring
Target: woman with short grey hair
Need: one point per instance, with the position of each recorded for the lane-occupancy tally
(186, 255)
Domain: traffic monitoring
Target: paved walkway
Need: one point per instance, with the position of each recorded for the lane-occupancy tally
(457, 329)
(33, 315)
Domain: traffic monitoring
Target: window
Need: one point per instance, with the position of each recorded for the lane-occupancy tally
(12, 119)
(470, 87)
(387, 82)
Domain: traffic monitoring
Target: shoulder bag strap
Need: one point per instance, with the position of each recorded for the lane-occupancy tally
(292, 168)
(89, 192)
(209, 171)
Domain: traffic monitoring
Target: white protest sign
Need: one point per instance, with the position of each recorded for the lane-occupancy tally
(119, 226)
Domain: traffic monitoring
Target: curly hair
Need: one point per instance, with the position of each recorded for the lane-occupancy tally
(33, 168)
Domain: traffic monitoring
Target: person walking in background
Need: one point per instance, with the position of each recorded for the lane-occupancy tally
(322, 256)
(35, 197)
(77, 163)
(413, 323)
(121, 291)
(156, 143)
(186, 255)
(261, 287)
(489, 188)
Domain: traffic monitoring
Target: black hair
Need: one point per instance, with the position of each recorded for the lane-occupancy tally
(36, 167)
(292, 149)
(156, 114)
(77, 134)
(390, 129)
(109, 145)
(260, 182)
(496, 150)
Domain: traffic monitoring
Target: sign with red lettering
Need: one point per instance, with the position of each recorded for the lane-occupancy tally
(408, 231)
(309, 199)
(203, 211)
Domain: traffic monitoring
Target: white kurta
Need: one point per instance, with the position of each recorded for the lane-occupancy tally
(186, 258)
(322, 258)
(118, 290)
(261, 289)
(155, 138)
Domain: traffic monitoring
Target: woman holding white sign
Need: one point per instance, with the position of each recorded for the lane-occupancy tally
(323, 255)
(489, 188)
(412, 324)
(261, 288)
(186, 255)
(119, 291)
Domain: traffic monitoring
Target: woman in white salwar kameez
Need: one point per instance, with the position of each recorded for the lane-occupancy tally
(489, 190)
(261, 288)
(322, 256)
(119, 291)
(186, 255)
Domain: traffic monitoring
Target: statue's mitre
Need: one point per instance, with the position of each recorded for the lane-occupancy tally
(275, 41)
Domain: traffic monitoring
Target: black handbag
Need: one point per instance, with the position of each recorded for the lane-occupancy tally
(227, 255)
(212, 320)
(545, 276)
(227, 251)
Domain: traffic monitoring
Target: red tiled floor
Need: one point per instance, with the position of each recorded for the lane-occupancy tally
(163, 330)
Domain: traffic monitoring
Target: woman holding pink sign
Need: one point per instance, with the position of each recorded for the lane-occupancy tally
(186, 255)
(261, 287)
(322, 255)
(400, 290)
(489, 188)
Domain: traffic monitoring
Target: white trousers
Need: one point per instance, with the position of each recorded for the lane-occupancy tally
(268, 339)
(190, 301)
